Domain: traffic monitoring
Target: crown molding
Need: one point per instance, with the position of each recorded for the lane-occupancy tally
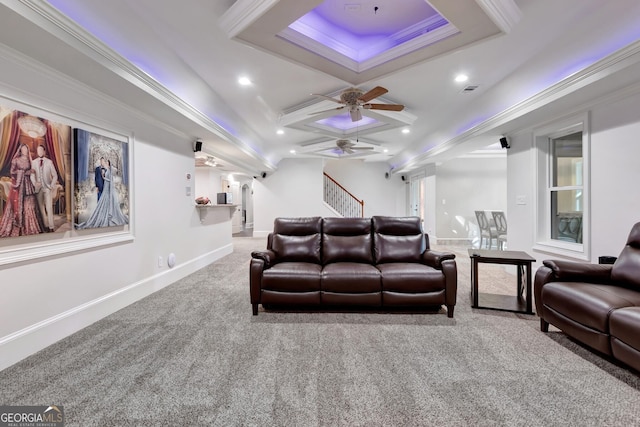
(504, 13)
(617, 61)
(409, 46)
(340, 53)
(337, 53)
(58, 24)
(71, 84)
(409, 39)
(242, 14)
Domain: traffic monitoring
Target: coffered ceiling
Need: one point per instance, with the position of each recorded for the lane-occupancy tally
(358, 41)
(527, 61)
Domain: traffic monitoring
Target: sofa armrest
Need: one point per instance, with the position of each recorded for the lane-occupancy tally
(256, 267)
(268, 256)
(566, 271)
(434, 258)
(450, 271)
(543, 276)
(569, 271)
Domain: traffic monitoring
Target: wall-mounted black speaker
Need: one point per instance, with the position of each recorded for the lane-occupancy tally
(197, 146)
(504, 143)
(264, 174)
(404, 178)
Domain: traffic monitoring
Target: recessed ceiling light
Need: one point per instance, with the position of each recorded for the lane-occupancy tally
(405, 130)
(244, 81)
(280, 132)
(461, 78)
(292, 151)
(386, 150)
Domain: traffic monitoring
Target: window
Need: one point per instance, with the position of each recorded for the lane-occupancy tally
(562, 196)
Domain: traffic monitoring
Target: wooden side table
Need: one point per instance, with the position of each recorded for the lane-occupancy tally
(515, 304)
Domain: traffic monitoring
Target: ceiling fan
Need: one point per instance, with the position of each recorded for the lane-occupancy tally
(203, 160)
(348, 147)
(355, 99)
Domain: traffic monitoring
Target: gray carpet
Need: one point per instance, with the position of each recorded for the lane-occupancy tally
(193, 355)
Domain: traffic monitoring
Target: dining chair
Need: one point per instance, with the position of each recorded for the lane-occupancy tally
(500, 221)
(570, 227)
(486, 230)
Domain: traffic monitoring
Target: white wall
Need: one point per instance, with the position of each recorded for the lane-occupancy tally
(208, 182)
(615, 174)
(366, 181)
(615, 204)
(430, 224)
(520, 183)
(296, 189)
(247, 191)
(464, 185)
(49, 298)
(293, 190)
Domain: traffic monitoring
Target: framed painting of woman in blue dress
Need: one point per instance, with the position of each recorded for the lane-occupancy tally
(101, 190)
(35, 178)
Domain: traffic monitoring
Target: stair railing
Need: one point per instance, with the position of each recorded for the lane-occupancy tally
(345, 203)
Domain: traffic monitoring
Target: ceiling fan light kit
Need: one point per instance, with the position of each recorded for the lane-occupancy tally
(348, 147)
(356, 99)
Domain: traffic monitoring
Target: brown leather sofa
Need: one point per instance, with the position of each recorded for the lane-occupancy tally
(373, 262)
(597, 304)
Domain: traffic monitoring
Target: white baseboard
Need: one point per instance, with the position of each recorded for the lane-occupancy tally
(23, 343)
(459, 241)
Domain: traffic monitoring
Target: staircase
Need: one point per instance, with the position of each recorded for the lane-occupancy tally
(340, 200)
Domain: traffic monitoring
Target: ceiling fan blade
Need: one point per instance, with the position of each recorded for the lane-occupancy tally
(373, 93)
(328, 98)
(389, 107)
(325, 111)
(356, 115)
(362, 148)
(347, 150)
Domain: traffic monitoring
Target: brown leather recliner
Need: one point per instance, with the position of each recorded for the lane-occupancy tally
(374, 262)
(597, 304)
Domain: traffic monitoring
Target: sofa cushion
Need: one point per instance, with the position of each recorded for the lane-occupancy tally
(297, 239)
(396, 226)
(411, 277)
(587, 303)
(292, 277)
(346, 240)
(626, 269)
(624, 325)
(397, 239)
(625, 336)
(297, 248)
(346, 226)
(350, 277)
(298, 226)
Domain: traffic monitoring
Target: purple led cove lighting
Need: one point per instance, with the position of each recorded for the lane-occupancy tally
(343, 122)
(356, 40)
(339, 39)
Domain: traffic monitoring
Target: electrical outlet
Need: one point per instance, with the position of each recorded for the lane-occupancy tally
(160, 263)
(521, 200)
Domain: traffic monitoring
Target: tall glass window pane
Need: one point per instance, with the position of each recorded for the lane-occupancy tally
(566, 188)
(567, 160)
(566, 215)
